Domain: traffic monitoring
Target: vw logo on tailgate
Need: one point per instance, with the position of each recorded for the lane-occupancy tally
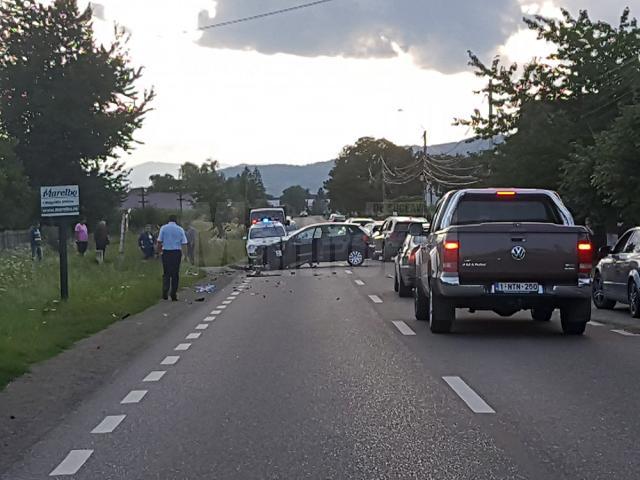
(518, 253)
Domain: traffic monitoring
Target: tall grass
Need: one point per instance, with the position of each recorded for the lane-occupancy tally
(35, 325)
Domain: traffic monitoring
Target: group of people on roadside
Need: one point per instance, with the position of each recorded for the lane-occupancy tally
(100, 237)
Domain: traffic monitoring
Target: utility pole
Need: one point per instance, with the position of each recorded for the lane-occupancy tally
(384, 180)
(180, 200)
(428, 193)
(143, 197)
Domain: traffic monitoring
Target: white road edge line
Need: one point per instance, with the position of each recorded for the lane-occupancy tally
(193, 336)
(72, 463)
(202, 326)
(154, 376)
(209, 319)
(625, 333)
(216, 312)
(134, 396)
(360, 283)
(404, 328)
(593, 323)
(170, 360)
(471, 398)
(375, 299)
(182, 347)
(109, 424)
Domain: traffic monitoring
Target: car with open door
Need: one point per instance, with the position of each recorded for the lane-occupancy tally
(325, 242)
(405, 263)
(616, 278)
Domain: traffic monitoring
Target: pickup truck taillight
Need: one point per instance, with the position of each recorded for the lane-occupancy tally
(585, 257)
(412, 256)
(450, 255)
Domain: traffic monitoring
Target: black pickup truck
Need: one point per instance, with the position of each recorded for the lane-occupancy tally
(504, 250)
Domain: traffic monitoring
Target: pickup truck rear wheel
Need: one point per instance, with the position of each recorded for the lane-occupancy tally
(421, 303)
(542, 314)
(441, 314)
(574, 317)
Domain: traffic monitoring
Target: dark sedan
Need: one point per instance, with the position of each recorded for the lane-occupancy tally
(325, 242)
(617, 276)
(405, 261)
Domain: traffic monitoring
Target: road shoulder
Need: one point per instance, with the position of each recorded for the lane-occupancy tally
(36, 402)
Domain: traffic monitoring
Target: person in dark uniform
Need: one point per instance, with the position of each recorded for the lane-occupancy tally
(101, 237)
(171, 242)
(146, 242)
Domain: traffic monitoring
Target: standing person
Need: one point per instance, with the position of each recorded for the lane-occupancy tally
(146, 242)
(192, 235)
(82, 236)
(101, 237)
(36, 242)
(171, 241)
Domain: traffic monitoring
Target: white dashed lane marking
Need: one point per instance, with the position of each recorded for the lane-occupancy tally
(209, 319)
(134, 396)
(235, 294)
(593, 323)
(221, 307)
(375, 299)
(625, 333)
(109, 424)
(216, 312)
(404, 328)
(193, 336)
(183, 347)
(154, 376)
(170, 360)
(226, 302)
(359, 283)
(471, 398)
(202, 326)
(72, 463)
(231, 299)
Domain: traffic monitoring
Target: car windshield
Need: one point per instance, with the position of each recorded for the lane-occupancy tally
(266, 232)
(474, 209)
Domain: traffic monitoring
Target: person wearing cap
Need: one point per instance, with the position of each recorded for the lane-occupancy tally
(171, 241)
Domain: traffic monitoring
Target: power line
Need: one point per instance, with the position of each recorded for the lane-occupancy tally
(263, 15)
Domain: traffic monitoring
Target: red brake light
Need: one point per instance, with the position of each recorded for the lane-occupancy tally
(506, 194)
(412, 256)
(585, 257)
(450, 256)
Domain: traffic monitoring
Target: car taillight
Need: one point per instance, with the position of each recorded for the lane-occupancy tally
(412, 256)
(585, 257)
(450, 256)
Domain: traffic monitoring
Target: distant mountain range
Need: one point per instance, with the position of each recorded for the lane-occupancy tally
(277, 177)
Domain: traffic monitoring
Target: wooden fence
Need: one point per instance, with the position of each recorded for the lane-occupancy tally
(12, 239)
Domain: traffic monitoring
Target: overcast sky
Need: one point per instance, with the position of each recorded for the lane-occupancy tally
(295, 88)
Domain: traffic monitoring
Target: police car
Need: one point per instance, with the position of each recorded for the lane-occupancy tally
(262, 234)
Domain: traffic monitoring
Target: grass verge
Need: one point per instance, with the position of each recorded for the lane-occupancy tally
(35, 326)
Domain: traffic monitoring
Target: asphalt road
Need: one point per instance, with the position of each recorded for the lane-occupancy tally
(323, 373)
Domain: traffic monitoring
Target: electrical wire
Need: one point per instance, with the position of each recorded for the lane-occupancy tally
(263, 15)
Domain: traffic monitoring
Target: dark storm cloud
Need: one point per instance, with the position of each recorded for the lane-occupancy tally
(436, 32)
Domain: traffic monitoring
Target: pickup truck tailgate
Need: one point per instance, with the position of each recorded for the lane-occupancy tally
(532, 252)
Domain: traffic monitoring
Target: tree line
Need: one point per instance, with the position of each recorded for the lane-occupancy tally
(69, 108)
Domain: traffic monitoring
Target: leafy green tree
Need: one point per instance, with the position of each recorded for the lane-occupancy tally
(207, 186)
(72, 105)
(295, 198)
(552, 112)
(16, 196)
(320, 203)
(359, 172)
(164, 183)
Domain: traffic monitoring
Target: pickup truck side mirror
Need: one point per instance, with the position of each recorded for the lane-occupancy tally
(604, 251)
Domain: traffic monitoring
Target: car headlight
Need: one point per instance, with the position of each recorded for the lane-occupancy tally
(251, 248)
